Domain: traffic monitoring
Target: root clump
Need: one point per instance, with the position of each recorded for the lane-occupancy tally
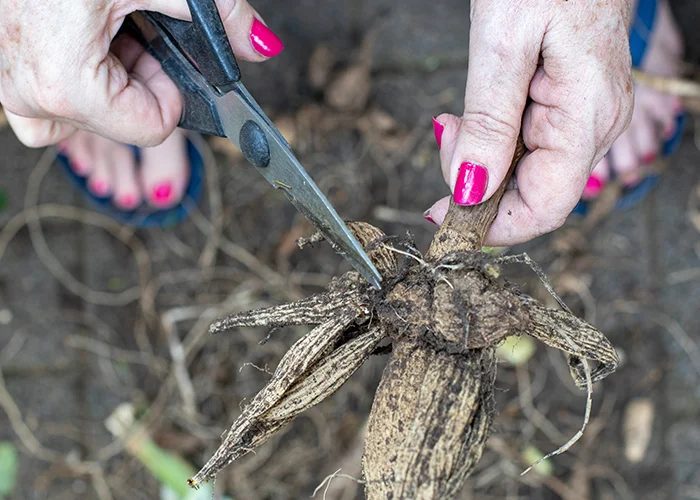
(441, 314)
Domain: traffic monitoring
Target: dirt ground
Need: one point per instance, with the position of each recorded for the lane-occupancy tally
(93, 316)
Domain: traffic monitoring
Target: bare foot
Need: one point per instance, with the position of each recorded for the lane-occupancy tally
(654, 118)
(160, 179)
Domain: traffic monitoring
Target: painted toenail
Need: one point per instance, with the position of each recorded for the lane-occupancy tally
(649, 158)
(99, 187)
(162, 192)
(127, 201)
(62, 147)
(593, 187)
(427, 216)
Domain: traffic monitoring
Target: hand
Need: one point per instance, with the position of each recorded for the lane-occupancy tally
(572, 59)
(61, 70)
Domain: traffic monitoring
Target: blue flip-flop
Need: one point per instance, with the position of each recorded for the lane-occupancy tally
(639, 40)
(145, 216)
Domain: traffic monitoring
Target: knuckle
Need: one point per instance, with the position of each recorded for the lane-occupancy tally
(487, 127)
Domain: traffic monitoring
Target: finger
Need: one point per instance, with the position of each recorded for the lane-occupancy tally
(548, 190)
(37, 132)
(497, 89)
(250, 38)
(143, 107)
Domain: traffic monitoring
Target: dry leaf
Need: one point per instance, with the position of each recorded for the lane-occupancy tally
(350, 89)
(637, 426)
(320, 67)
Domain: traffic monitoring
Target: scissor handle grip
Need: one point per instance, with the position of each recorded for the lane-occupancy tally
(196, 55)
(205, 41)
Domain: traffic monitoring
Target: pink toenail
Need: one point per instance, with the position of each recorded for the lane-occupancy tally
(127, 201)
(649, 158)
(162, 192)
(593, 187)
(99, 187)
(427, 216)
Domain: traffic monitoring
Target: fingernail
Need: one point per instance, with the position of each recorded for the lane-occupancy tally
(649, 158)
(128, 201)
(593, 187)
(438, 128)
(162, 192)
(427, 216)
(264, 41)
(99, 187)
(470, 187)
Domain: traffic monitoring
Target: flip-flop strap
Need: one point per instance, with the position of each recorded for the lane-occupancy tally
(643, 27)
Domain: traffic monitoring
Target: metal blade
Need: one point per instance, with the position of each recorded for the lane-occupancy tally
(285, 172)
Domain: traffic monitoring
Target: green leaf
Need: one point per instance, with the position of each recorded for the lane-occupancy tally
(531, 455)
(8, 468)
(517, 350)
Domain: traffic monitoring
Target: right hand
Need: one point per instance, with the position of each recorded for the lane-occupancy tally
(61, 70)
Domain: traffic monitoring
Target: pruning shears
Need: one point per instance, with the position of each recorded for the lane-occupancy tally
(197, 56)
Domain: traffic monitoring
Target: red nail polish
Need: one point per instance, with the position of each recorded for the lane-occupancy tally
(128, 201)
(649, 158)
(470, 187)
(438, 128)
(162, 192)
(593, 187)
(264, 41)
(426, 216)
(99, 187)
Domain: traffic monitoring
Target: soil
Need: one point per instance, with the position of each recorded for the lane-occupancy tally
(636, 279)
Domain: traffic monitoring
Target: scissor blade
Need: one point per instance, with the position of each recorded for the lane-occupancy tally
(285, 172)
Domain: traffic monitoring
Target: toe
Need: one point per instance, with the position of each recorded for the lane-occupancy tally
(625, 158)
(596, 182)
(127, 194)
(646, 138)
(100, 181)
(165, 171)
(79, 151)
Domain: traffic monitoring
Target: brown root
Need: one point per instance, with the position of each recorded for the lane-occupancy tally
(443, 313)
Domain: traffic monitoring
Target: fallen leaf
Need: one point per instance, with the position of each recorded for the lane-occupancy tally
(638, 422)
(320, 66)
(350, 89)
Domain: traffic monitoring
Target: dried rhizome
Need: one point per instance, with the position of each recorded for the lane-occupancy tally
(442, 312)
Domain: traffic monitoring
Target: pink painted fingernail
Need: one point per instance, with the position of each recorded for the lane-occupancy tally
(99, 187)
(427, 216)
(127, 201)
(264, 41)
(593, 187)
(438, 128)
(470, 187)
(162, 192)
(649, 158)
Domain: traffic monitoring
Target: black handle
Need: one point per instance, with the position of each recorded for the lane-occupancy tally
(196, 55)
(205, 41)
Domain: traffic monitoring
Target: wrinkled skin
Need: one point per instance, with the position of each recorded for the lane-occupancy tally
(60, 69)
(571, 59)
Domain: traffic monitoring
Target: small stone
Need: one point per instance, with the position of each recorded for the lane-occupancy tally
(6, 316)
(638, 422)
